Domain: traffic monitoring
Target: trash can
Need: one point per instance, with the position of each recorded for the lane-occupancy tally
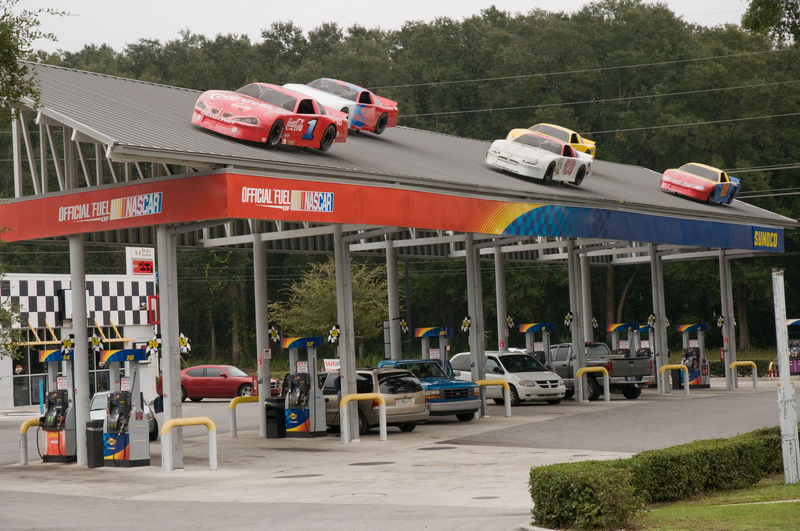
(276, 418)
(677, 378)
(94, 443)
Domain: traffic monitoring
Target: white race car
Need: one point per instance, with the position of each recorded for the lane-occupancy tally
(540, 157)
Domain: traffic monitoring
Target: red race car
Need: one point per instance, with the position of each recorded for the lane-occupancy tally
(701, 182)
(273, 115)
(365, 111)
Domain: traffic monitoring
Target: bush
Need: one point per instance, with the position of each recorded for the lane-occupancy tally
(717, 368)
(584, 495)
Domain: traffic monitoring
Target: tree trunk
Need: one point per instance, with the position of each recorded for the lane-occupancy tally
(625, 294)
(213, 336)
(235, 343)
(741, 311)
(610, 291)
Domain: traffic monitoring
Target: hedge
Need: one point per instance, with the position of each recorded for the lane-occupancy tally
(611, 494)
(717, 368)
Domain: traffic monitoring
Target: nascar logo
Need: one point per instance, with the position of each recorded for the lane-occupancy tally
(289, 200)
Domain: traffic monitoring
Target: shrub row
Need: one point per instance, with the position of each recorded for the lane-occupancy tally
(610, 494)
(717, 368)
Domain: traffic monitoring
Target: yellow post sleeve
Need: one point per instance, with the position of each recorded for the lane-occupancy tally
(190, 421)
(750, 364)
(362, 396)
(584, 370)
(493, 382)
(680, 366)
(239, 399)
(30, 423)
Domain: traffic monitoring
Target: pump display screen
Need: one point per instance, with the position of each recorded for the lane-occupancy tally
(143, 267)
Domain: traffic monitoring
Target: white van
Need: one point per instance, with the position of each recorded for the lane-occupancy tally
(527, 378)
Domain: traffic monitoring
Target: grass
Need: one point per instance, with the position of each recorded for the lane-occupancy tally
(717, 512)
(741, 355)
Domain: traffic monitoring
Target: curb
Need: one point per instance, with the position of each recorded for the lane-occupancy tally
(529, 527)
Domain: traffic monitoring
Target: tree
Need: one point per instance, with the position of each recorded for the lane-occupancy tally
(17, 33)
(779, 19)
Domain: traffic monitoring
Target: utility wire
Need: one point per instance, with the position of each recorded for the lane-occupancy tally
(765, 168)
(583, 71)
(692, 123)
(607, 100)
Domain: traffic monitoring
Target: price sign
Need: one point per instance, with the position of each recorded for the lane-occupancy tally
(124, 384)
(623, 344)
(143, 267)
(331, 365)
(61, 383)
(302, 367)
(538, 346)
(645, 343)
(433, 353)
(693, 343)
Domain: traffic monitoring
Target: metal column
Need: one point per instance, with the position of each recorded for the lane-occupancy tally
(578, 344)
(393, 288)
(500, 290)
(586, 299)
(77, 270)
(262, 327)
(344, 307)
(475, 335)
(170, 348)
(731, 381)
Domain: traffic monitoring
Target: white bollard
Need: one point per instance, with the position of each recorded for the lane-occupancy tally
(166, 453)
(606, 390)
(507, 401)
(23, 448)
(755, 379)
(344, 425)
(382, 420)
(233, 422)
(212, 449)
(686, 383)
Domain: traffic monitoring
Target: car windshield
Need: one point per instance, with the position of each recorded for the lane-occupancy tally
(705, 173)
(522, 363)
(424, 369)
(600, 349)
(100, 401)
(551, 131)
(539, 142)
(398, 383)
(268, 95)
(235, 371)
(346, 91)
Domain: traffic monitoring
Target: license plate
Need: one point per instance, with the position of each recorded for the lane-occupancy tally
(404, 402)
(506, 167)
(631, 378)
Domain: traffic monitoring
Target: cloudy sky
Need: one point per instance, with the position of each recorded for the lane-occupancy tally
(121, 23)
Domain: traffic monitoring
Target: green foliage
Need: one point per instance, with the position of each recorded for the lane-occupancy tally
(584, 495)
(717, 368)
(778, 18)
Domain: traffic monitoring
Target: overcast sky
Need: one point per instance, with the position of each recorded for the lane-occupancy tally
(118, 23)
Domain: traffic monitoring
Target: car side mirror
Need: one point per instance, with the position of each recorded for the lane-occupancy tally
(573, 356)
(497, 370)
(457, 373)
(224, 375)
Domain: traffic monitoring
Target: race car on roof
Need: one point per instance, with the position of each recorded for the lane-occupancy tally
(270, 114)
(701, 182)
(560, 133)
(365, 111)
(541, 157)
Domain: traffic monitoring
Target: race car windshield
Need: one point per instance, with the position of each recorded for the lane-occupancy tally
(522, 363)
(551, 131)
(539, 142)
(705, 173)
(268, 95)
(331, 87)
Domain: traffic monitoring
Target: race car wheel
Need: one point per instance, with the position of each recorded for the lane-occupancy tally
(380, 127)
(346, 111)
(327, 138)
(730, 199)
(710, 198)
(579, 177)
(548, 174)
(275, 133)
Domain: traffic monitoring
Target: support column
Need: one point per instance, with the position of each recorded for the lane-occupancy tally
(500, 290)
(393, 289)
(262, 327)
(730, 324)
(662, 312)
(728, 333)
(475, 332)
(657, 329)
(586, 299)
(409, 343)
(578, 343)
(77, 270)
(16, 147)
(344, 306)
(170, 348)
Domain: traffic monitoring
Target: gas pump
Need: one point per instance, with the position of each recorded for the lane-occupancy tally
(305, 405)
(794, 350)
(694, 355)
(624, 346)
(642, 347)
(58, 421)
(126, 435)
(540, 350)
(444, 333)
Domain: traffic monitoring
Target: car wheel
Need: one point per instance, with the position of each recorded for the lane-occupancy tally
(380, 127)
(730, 199)
(183, 394)
(465, 417)
(499, 401)
(580, 176)
(594, 390)
(246, 390)
(548, 174)
(569, 393)
(710, 198)
(363, 426)
(275, 133)
(195, 399)
(515, 401)
(554, 401)
(154, 431)
(408, 426)
(631, 392)
(327, 138)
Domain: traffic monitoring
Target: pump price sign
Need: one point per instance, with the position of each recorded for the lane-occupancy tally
(331, 365)
(142, 267)
(645, 343)
(433, 353)
(61, 383)
(693, 343)
(538, 346)
(302, 367)
(124, 384)
(623, 344)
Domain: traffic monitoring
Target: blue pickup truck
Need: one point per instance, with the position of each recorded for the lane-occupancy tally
(445, 394)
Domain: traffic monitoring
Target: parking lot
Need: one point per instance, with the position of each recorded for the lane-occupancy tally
(444, 475)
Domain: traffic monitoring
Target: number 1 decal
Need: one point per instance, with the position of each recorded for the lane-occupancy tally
(310, 133)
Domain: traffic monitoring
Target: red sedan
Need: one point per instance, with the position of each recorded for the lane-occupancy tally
(216, 381)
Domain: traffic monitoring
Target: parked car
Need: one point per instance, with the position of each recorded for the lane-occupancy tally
(402, 391)
(445, 394)
(97, 411)
(217, 381)
(527, 378)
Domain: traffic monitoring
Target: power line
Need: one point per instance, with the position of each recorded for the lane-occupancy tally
(690, 124)
(629, 98)
(776, 167)
(769, 195)
(764, 191)
(583, 71)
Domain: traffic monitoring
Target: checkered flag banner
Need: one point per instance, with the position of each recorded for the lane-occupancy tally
(568, 319)
(465, 324)
(274, 335)
(333, 334)
(68, 344)
(97, 344)
(404, 326)
(183, 343)
(651, 321)
(510, 321)
(666, 322)
(720, 322)
(594, 322)
(154, 346)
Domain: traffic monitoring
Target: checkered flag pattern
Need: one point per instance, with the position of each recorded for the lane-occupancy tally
(122, 302)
